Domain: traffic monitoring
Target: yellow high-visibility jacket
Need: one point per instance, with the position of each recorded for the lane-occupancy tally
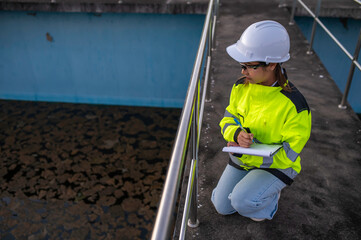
(274, 116)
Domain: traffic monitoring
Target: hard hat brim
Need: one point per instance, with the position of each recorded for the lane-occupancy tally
(234, 53)
(237, 55)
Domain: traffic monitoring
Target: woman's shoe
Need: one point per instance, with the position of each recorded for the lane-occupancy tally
(258, 219)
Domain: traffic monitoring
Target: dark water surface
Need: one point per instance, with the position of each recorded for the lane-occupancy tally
(74, 171)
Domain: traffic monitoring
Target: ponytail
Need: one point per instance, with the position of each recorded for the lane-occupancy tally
(281, 77)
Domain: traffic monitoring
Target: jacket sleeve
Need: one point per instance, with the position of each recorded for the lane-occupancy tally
(295, 134)
(229, 127)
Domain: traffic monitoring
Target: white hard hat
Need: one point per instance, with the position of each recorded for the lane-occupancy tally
(265, 41)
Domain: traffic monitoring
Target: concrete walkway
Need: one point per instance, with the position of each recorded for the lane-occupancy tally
(324, 200)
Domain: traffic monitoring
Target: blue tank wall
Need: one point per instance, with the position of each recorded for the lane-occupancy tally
(113, 58)
(333, 58)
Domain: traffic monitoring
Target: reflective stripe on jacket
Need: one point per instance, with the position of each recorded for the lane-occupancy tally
(274, 116)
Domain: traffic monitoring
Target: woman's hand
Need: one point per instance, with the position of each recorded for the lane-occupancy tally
(245, 139)
(232, 144)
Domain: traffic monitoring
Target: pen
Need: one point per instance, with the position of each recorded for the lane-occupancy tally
(239, 124)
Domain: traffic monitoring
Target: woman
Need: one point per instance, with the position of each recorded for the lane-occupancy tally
(271, 111)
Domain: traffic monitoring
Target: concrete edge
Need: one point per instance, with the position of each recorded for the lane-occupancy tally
(162, 8)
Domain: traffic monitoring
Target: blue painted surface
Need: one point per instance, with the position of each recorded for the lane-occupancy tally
(333, 58)
(123, 59)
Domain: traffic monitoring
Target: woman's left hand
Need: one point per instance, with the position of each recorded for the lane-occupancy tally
(232, 144)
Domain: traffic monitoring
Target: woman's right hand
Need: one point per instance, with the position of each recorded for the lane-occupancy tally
(245, 139)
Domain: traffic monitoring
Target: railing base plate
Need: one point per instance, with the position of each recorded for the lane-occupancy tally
(193, 225)
(340, 106)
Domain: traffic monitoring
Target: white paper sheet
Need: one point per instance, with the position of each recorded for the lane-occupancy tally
(263, 150)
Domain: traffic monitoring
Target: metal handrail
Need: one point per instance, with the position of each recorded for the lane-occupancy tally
(352, 58)
(188, 120)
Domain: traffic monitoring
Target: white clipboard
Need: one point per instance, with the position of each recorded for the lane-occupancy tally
(256, 149)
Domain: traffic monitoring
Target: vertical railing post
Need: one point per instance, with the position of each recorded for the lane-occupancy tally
(350, 73)
(193, 221)
(214, 20)
(309, 51)
(210, 33)
(292, 18)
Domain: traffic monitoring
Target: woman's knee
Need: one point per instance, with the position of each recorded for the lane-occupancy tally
(221, 203)
(245, 205)
(223, 210)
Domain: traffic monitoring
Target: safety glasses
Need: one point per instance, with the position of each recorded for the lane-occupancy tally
(254, 67)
